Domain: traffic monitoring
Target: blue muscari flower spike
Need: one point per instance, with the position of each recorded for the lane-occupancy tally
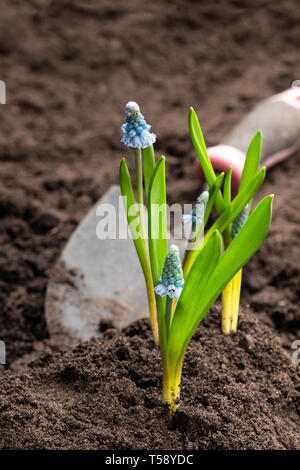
(171, 280)
(239, 221)
(197, 215)
(136, 130)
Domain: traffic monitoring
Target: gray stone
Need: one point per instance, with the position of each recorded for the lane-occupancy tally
(95, 280)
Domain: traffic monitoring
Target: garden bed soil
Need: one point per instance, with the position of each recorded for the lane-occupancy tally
(238, 392)
(70, 66)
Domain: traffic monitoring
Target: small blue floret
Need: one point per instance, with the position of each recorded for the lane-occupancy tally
(171, 280)
(136, 130)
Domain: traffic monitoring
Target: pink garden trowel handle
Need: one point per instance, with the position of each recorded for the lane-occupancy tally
(278, 117)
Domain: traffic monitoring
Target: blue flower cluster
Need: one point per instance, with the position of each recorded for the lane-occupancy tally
(136, 130)
(197, 215)
(171, 280)
(239, 221)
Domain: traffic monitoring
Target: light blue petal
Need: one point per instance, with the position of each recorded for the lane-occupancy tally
(161, 290)
(177, 293)
(198, 221)
(171, 291)
(187, 218)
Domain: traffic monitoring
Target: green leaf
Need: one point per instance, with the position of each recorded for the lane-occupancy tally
(196, 134)
(252, 160)
(227, 188)
(149, 166)
(213, 192)
(191, 254)
(132, 215)
(238, 253)
(157, 239)
(187, 310)
(238, 203)
(199, 300)
(200, 147)
(157, 220)
(231, 211)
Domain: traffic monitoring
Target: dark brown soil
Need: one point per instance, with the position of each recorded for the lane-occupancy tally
(240, 392)
(272, 277)
(70, 66)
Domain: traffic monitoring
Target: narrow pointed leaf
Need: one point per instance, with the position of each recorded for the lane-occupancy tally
(242, 248)
(252, 160)
(191, 255)
(131, 213)
(200, 147)
(231, 212)
(157, 220)
(197, 134)
(213, 192)
(238, 203)
(158, 243)
(149, 166)
(227, 188)
(186, 313)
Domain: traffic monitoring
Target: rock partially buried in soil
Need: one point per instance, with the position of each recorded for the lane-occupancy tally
(96, 282)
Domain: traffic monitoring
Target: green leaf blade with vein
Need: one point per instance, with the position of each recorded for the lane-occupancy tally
(158, 243)
(131, 212)
(198, 135)
(242, 248)
(195, 285)
(213, 192)
(149, 166)
(227, 188)
(157, 220)
(200, 147)
(233, 209)
(238, 203)
(252, 160)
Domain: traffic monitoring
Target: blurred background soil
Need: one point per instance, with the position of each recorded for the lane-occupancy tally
(70, 66)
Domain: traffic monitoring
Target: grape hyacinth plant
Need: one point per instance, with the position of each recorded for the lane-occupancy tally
(180, 294)
(137, 135)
